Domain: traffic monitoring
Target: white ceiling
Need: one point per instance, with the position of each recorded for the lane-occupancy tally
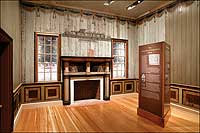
(118, 8)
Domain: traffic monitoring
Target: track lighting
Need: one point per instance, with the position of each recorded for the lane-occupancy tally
(130, 7)
(108, 2)
(133, 5)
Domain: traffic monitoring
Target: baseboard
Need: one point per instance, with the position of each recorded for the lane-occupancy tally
(17, 116)
(66, 102)
(42, 104)
(181, 106)
(154, 118)
(106, 98)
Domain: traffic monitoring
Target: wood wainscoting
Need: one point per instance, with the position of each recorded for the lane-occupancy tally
(121, 86)
(186, 95)
(35, 92)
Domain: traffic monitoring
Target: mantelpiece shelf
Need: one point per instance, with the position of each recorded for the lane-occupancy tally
(86, 65)
(83, 59)
(86, 73)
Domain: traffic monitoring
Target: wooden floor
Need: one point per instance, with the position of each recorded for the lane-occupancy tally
(117, 115)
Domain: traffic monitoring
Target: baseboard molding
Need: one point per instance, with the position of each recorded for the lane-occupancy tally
(17, 116)
(194, 110)
(42, 104)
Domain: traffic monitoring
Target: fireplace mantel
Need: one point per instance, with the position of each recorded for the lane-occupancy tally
(82, 58)
(84, 68)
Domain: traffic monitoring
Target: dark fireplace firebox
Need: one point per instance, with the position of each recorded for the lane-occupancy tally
(88, 89)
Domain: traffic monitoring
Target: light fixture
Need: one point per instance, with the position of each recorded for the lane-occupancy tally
(130, 7)
(133, 5)
(180, 8)
(108, 2)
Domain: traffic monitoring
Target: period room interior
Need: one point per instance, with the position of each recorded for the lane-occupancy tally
(99, 66)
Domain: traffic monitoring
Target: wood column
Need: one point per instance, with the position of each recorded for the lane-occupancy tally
(107, 87)
(66, 100)
(87, 67)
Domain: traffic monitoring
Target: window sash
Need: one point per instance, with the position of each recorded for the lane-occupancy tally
(47, 57)
(119, 52)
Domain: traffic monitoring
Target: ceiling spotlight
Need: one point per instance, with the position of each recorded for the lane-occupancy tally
(133, 5)
(108, 2)
(130, 7)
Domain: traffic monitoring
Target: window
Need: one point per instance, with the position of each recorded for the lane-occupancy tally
(47, 57)
(120, 61)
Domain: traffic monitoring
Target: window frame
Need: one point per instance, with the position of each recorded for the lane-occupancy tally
(113, 41)
(36, 34)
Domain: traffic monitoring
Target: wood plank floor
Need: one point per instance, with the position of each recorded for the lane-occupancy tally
(117, 115)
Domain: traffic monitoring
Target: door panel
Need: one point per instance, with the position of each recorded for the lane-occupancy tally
(6, 83)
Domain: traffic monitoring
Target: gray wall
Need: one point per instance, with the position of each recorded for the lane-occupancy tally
(10, 23)
(182, 33)
(57, 22)
(179, 27)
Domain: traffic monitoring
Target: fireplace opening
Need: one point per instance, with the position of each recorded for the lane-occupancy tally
(87, 89)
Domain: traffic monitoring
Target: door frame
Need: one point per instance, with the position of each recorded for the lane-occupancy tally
(6, 82)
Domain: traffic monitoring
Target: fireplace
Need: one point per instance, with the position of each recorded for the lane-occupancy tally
(82, 88)
(85, 78)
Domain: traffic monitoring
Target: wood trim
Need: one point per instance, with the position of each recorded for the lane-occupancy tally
(176, 99)
(137, 86)
(35, 57)
(125, 86)
(113, 40)
(187, 103)
(57, 88)
(26, 94)
(85, 59)
(18, 87)
(124, 79)
(59, 61)
(113, 87)
(6, 82)
(185, 86)
(126, 58)
(48, 34)
(42, 83)
(161, 121)
(162, 73)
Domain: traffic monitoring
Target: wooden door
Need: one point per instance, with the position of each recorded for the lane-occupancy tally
(6, 83)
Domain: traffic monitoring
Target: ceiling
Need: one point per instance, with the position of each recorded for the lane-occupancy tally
(117, 8)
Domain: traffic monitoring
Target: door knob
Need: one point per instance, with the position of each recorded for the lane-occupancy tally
(1, 106)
